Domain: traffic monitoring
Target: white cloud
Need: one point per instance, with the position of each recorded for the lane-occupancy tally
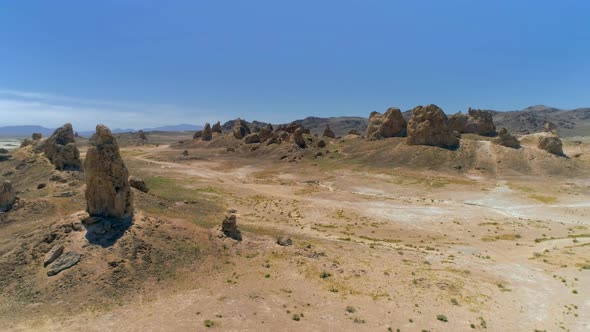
(50, 110)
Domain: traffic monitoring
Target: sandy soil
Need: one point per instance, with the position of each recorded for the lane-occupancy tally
(374, 247)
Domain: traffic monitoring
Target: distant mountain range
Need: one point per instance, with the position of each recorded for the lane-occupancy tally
(574, 122)
(569, 123)
(25, 131)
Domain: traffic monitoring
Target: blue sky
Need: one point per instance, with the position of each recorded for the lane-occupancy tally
(149, 63)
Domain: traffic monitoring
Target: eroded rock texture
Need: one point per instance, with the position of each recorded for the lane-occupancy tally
(108, 193)
(61, 149)
(429, 126)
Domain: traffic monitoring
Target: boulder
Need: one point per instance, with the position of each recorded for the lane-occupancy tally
(138, 184)
(551, 144)
(53, 254)
(5, 154)
(198, 134)
(61, 150)
(229, 227)
(63, 262)
(390, 124)
(108, 193)
(36, 136)
(240, 129)
(429, 126)
(328, 132)
(321, 144)
(506, 139)
(7, 196)
(216, 127)
(207, 132)
(298, 138)
(284, 241)
(252, 138)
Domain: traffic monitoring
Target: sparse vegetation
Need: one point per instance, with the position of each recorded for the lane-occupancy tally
(209, 323)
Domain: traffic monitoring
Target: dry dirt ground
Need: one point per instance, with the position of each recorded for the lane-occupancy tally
(385, 237)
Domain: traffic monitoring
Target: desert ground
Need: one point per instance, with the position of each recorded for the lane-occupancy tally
(385, 236)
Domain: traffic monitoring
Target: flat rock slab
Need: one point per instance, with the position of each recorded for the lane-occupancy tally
(53, 254)
(64, 194)
(63, 262)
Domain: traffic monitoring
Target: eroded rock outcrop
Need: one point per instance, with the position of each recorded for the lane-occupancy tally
(429, 126)
(389, 124)
(216, 127)
(298, 137)
(506, 139)
(61, 149)
(328, 132)
(476, 122)
(108, 193)
(240, 129)
(207, 132)
(7, 196)
(551, 144)
(266, 133)
(229, 227)
(252, 138)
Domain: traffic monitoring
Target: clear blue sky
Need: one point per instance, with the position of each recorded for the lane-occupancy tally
(148, 63)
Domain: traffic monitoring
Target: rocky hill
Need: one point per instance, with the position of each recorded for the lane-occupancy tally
(574, 122)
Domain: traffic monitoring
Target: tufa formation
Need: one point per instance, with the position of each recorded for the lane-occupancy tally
(207, 132)
(298, 137)
(216, 127)
(551, 144)
(390, 124)
(429, 126)
(229, 227)
(240, 129)
(478, 122)
(61, 149)
(7, 196)
(108, 193)
(506, 139)
(328, 132)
